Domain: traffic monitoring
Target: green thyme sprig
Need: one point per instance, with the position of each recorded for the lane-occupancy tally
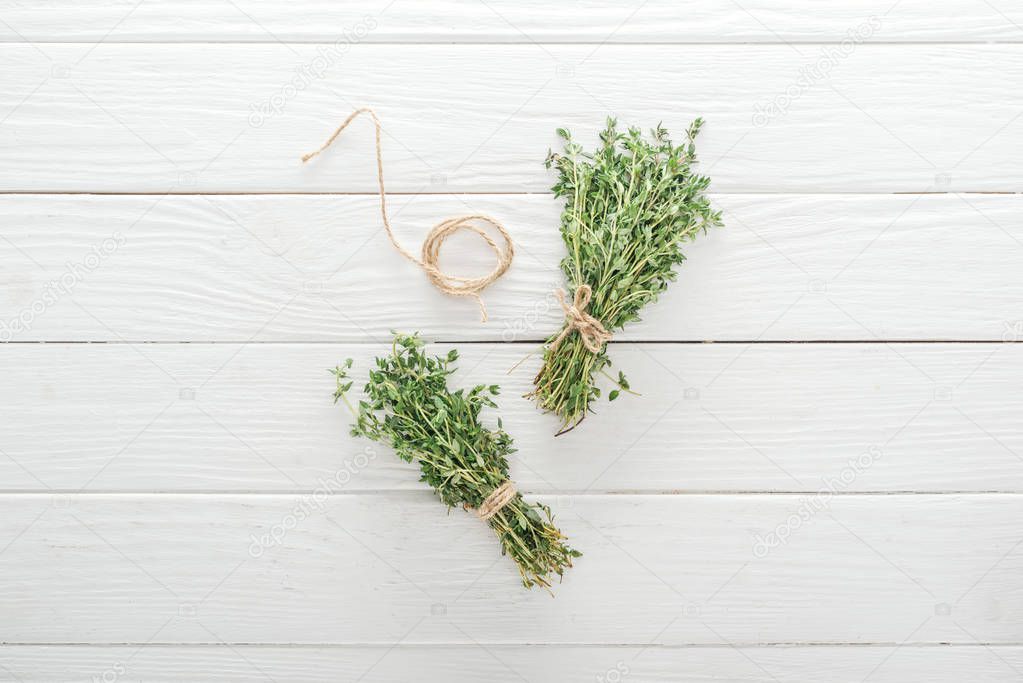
(409, 407)
(630, 205)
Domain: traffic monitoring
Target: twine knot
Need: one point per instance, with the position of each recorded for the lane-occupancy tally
(449, 284)
(591, 331)
(498, 498)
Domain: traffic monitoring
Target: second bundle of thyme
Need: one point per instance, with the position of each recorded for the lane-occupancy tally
(411, 409)
(629, 207)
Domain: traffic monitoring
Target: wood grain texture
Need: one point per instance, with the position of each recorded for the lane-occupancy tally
(236, 118)
(507, 663)
(319, 268)
(844, 508)
(395, 568)
(787, 417)
(529, 21)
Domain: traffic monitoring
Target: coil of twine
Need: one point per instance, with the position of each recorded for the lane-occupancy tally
(591, 331)
(498, 498)
(430, 256)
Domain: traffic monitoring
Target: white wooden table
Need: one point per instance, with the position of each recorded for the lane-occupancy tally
(831, 492)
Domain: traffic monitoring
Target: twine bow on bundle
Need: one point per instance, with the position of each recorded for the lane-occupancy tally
(498, 498)
(592, 332)
(430, 256)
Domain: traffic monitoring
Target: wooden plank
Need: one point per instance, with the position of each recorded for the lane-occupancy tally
(789, 417)
(137, 118)
(499, 663)
(383, 568)
(319, 268)
(662, 21)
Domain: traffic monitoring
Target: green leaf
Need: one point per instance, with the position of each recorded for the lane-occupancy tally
(410, 408)
(630, 205)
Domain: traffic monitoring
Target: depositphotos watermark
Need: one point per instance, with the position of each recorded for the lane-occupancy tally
(1013, 331)
(310, 504)
(111, 675)
(313, 70)
(615, 674)
(526, 323)
(54, 290)
(811, 505)
(811, 74)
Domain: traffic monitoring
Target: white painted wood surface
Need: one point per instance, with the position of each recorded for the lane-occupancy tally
(865, 408)
(733, 417)
(507, 663)
(309, 268)
(375, 568)
(157, 118)
(507, 21)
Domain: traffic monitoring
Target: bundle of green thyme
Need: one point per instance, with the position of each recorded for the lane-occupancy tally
(629, 207)
(410, 408)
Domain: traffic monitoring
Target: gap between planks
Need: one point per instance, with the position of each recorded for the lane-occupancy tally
(637, 42)
(469, 193)
(579, 493)
(456, 644)
(519, 342)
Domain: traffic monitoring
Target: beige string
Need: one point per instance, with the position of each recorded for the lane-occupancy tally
(591, 331)
(449, 284)
(498, 498)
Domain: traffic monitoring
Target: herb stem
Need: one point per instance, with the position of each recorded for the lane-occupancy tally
(408, 406)
(631, 205)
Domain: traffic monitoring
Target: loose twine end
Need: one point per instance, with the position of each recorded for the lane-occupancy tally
(430, 256)
(592, 332)
(498, 498)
